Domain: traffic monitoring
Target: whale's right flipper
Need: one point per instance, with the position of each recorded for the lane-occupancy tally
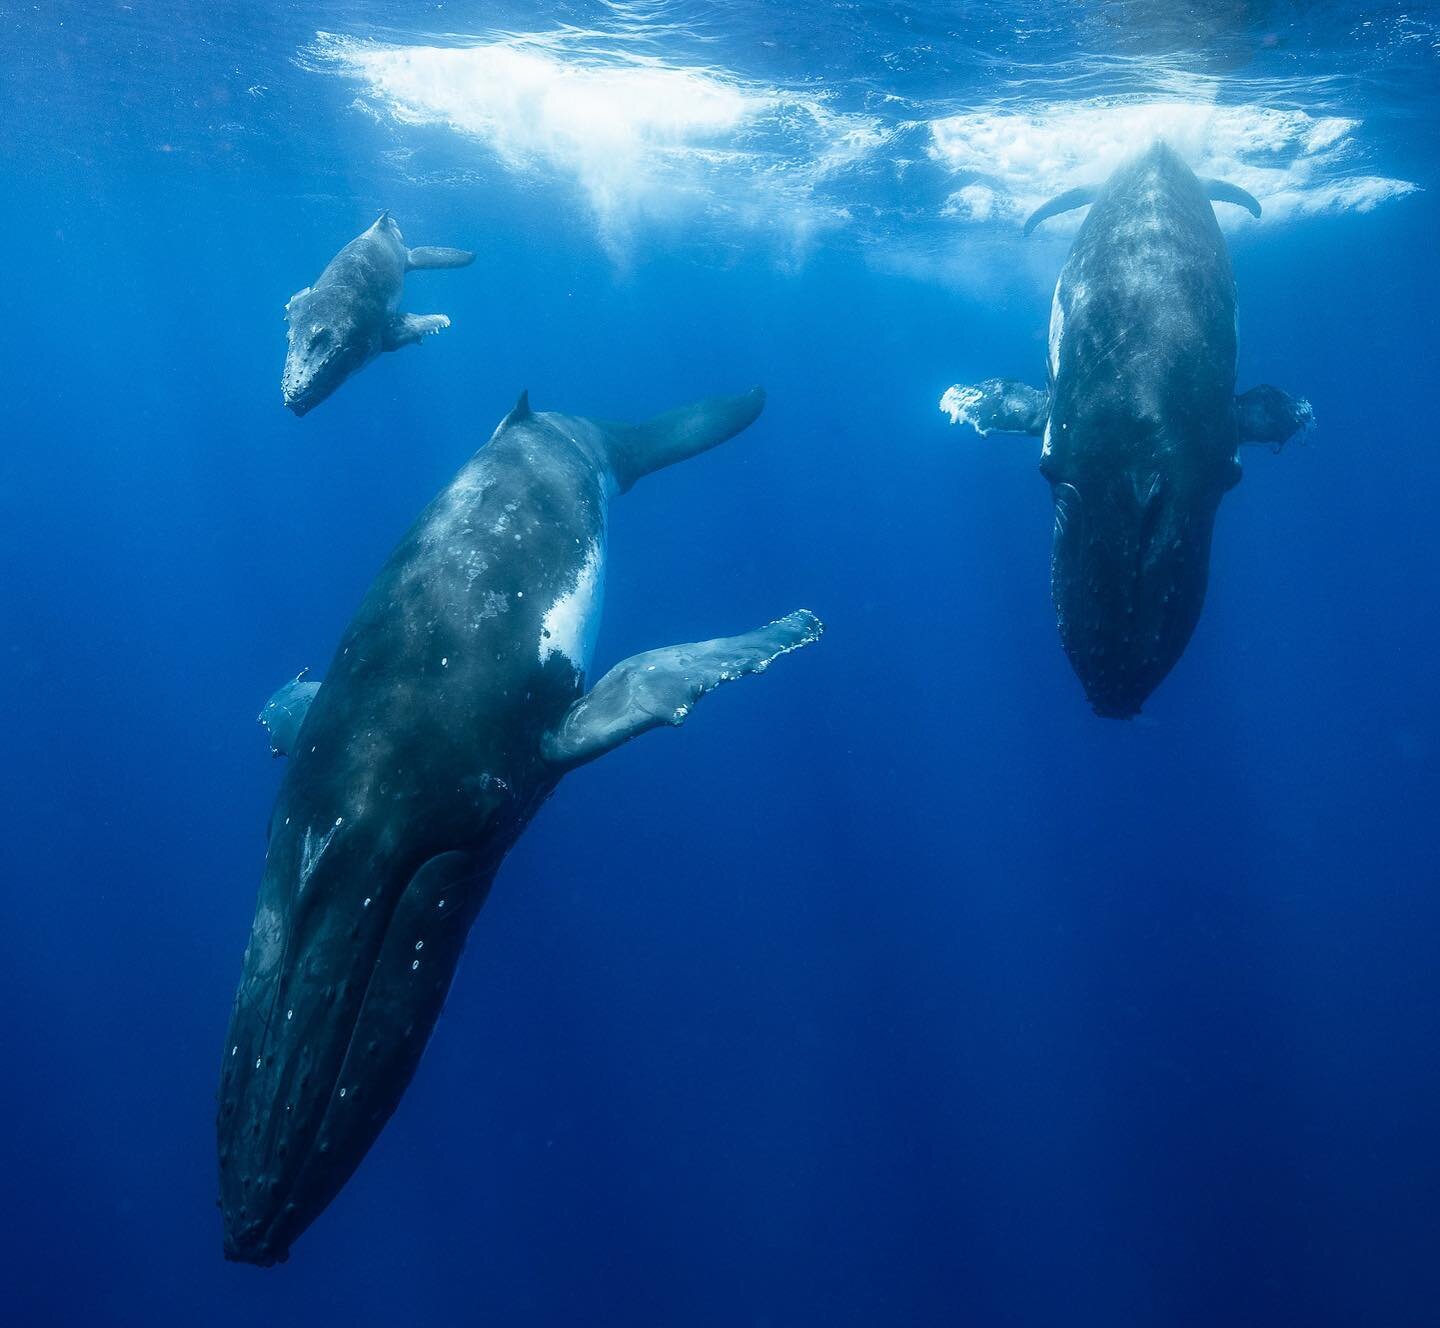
(408, 329)
(1005, 404)
(284, 713)
(662, 687)
(430, 255)
(1222, 191)
(1066, 202)
(1265, 414)
(634, 450)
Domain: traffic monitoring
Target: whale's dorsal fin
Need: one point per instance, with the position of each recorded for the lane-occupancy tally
(1066, 202)
(431, 255)
(1222, 191)
(662, 687)
(634, 450)
(520, 410)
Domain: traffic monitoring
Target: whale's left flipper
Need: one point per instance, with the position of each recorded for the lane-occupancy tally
(1005, 404)
(432, 255)
(407, 329)
(1265, 414)
(284, 713)
(1066, 202)
(1222, 191)
(662, 686)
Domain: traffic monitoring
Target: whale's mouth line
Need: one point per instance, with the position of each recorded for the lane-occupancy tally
(261, 1239)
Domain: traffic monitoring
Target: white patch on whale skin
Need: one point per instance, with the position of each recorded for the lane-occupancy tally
(1057, 331)
(959, 403)
(570, 623)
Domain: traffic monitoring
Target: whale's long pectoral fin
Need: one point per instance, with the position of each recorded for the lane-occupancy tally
(284, 713)
(1222, 191)
(1265, 414)
(662, 686)
(430, 255)
(1066, 202)
(407, 329)
(1005, 404)
(637, 449)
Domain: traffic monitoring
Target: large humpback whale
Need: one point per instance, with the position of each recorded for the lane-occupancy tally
(454, 704)
(351, 313)
(1140, 420)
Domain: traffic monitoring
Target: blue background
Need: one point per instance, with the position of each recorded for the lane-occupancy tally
(896, 988)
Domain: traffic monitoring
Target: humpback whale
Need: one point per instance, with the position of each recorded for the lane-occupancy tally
(454, 704)
(1139, 420)
(351, 313)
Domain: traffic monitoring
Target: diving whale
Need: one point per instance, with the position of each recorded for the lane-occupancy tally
(454, 704)
(1140, 420)
(351, 313)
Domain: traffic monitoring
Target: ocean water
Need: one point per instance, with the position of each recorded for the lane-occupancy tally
(896, 988)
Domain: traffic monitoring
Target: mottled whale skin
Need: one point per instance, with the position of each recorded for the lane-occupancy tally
(1140, 420)
(352, 312)
(454, 704)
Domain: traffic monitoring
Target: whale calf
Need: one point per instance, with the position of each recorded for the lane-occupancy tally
(351, 313)
(1139, 418)
(454, 704)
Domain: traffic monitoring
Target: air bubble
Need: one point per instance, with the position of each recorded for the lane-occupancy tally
(419, 945)
(414, 965)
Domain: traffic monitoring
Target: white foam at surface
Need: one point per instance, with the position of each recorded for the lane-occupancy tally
(640, 137)
(1294, 163)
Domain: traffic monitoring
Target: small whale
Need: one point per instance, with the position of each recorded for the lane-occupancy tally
(454, 705)
(1140, 420)
(351, 313)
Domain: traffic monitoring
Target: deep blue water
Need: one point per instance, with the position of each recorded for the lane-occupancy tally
(895, 988)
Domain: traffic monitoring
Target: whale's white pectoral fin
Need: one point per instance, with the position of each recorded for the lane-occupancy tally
(1222, 191)
(1265, 414)
(284, 713)
(429, 256)
(662, 686)
(1005, 404)
(407, 329)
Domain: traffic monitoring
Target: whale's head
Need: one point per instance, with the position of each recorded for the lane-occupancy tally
(326, 345)
(1129, 565)
(356, 936)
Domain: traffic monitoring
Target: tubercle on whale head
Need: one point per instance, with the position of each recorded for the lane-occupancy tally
(322, 352)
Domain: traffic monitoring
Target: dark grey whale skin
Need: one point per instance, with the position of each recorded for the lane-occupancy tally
(1141, 440)
(415, 769)
(1143, 425)
(352, 312)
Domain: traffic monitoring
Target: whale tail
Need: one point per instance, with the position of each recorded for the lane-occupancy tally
(637, 449)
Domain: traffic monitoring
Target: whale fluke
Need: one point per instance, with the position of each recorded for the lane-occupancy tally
(435, 255)
(1066, 202)
(662, 686)
(1222, 191)
(637, 449)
